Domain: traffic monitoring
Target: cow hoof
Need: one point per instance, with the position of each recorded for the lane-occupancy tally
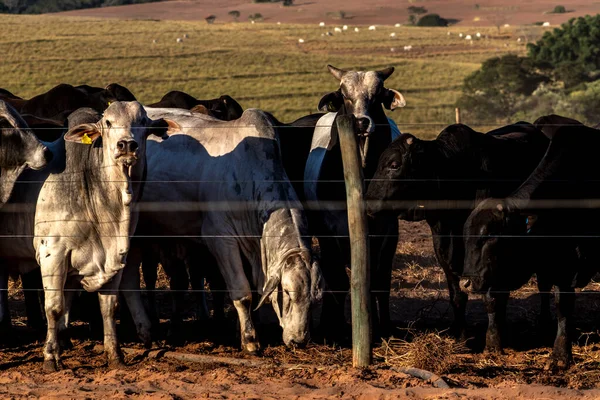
(493, 345)
(554, 364)
(252, 348)
(49, 366)
(116, 363)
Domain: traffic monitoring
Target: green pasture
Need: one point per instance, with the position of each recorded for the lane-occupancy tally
(261, 65)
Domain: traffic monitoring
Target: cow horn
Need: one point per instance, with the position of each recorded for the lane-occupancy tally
(385, 73)
(336, 72)
(270, 287)
(12, 116)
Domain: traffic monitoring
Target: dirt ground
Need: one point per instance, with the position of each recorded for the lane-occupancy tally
(419, 305)
(358, 12)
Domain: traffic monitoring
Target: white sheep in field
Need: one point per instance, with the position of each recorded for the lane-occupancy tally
(328, 34)
(372, 28)
(460, 35)
(345, 27)
(300, 40)
(337, 30)
(321, 23)
(356, 29)
(393, 34)
(408, 48)
(478, 35)
(398, 25)
(468, 37)
(179, 40)
(186, 36)
(546, 24)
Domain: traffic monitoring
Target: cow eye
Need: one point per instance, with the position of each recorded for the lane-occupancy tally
(394, 166)
(108, 124)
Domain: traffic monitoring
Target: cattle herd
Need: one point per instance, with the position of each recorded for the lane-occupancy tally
(97, 187)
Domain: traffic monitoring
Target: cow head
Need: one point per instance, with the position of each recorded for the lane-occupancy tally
(362, 94)
(404, 177)
(19, 147)
(293, 279)
(492, 255)
(123, 128)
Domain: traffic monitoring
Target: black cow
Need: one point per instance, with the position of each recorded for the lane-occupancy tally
(61, 100)
(224, 108)
(548, 226)
(442, 180)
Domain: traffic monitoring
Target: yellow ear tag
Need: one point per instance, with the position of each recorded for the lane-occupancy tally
(109, 103)
(85, 139)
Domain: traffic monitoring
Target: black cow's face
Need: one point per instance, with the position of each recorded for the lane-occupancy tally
(492, 254)
(18, 144)
(404, 176)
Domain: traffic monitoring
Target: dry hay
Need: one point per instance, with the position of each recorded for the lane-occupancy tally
(312, 354)
(430, 351)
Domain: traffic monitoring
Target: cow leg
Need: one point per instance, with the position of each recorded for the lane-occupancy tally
(130, 285)
(54, 276)
(333, 319)
(108, 306)
(197, 281)
(229, 260)
(561, 353)
(5, 323)
(495, 304)
(446, 252)
(179, 283)
(382, 251)
(64, 340)
(150, 273)
(33, 291)
(545, 317)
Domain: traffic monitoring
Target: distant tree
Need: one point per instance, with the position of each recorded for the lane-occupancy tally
(235, 14)
(432, 20)
(288, 3)
(412, 19)
(210, 19)
(15, 6)
(571, 51)
(255, 17)
(417, 10)
(499, 87)
(559, 10)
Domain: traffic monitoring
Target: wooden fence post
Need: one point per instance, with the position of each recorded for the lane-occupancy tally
(360, 284)
(457, 111)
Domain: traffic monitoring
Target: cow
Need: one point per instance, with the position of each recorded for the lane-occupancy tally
(20, 150)
(84, 216)
(548, 226)
(222, 186)
(224, 108)
(442, 180)
(58, 102)
(311, 154)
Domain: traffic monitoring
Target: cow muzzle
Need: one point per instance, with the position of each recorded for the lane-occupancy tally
(42, 158)
(127, 151)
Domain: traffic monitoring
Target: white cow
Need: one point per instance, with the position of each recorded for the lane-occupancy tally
(84, 218)
(222, 185)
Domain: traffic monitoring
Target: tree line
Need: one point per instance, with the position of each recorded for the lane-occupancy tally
(560, 74)
(48, 6)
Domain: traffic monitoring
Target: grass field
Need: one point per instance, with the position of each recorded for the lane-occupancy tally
(261, 65)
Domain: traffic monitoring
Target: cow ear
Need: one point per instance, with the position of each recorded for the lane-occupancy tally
(163, 127)
(84, 133)
(200, 109)
(331, 102)
(269, 288)
(408, 139)
(393, 99)
(500, 210)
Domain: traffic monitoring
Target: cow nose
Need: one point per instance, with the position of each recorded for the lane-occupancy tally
(127, 146)
(362, 124)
